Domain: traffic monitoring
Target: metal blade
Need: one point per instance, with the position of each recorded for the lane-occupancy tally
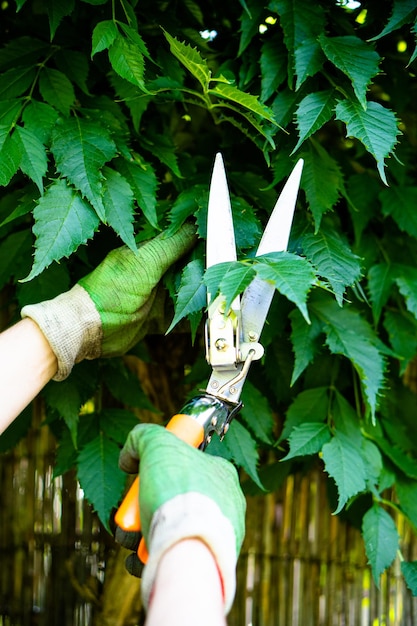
(257, 298)
(220, 233)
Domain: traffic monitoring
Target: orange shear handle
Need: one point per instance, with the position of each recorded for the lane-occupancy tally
(127, 517)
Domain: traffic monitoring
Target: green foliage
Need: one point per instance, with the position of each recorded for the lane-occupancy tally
(111, 114)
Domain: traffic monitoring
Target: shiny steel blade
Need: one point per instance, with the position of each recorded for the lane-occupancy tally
(221, 245)
(258, 296)
(220, 233)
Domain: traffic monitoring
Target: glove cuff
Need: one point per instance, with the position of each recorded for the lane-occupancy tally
(192, 515)
(71, 325)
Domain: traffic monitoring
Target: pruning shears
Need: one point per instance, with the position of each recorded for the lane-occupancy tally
(231, 336)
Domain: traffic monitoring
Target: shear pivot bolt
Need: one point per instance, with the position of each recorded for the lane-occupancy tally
(214, 421)
(221, 345)
(252, 335)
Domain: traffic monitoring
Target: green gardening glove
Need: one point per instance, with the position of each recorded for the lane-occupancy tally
(185, 493)
(106, 313)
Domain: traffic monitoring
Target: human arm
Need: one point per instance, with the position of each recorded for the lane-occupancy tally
(184, 494)
(27, 363)
(104, 314)
(187, 589)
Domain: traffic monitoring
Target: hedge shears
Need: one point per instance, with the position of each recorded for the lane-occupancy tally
(231, 336)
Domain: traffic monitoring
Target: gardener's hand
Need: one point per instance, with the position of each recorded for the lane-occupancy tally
(105, 314)
(185, 493)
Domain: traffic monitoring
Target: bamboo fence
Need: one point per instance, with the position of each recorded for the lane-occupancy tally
(300, 565)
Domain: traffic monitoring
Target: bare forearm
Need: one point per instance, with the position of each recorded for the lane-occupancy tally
(27, 363)
(188, 588)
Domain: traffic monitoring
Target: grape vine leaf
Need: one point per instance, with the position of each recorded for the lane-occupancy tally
(309, 406)
(355, 58)
(399, 202)
(307, 439)
(409, 571)
(330, 253)
(314, 110)
(345, 466)
(403, 12)
(349, 334)
(81, 148)
(33, 161)
(63, 221)
(99, 475)
(381, 540)
(257, 414)
(192, 294)
(376, 128)
(56, 89)
(118, 205)
(292, 275)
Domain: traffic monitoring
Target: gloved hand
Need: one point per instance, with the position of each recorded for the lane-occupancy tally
(105, 313)
(184, 493)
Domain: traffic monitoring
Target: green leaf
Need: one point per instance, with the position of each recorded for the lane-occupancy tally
(16, 81)
(402, 331)
(291, 275)
(329, 252)
(309, 60)
(407, 285)
(75, 65)
(117, 424)
(307, 439)
(313, 111)
(362, 195)
(66, 399)
(273, 62)
(304, 338)
(143, 181)
(104, 34)
(345, 466)
(310, 406)
(63, 221)
(257, 414)
(10, 156)
(355, 58)
(407, 495)
(40, 118)
(409, 571)
(192, 295)
(81, 148)
(127, 60)
(118, 206)
(56, 89)
(100, 477)
(249, 24)
(376, 127)
(381, 540)
(403, 12)
(397, 456)
(33, 160)
(229, 278)
(22, 52)
(191, 59)
(242, 449)
(322, 181)
(399, 201)
(380, 280)
(245, 100)
(300, 20)
(57, 10)
(349, 334)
